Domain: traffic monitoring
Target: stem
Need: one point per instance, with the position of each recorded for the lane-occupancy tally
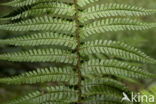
(77, 50)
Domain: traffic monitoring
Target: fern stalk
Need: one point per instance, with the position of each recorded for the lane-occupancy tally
(77, 50)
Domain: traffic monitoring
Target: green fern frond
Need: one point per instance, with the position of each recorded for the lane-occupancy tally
(149, 92)
(21, 3)
(45, 38)
(84, 3)
(113, 67)
(109, 10)
(55, 102)
(107, 98)
(45, 23)
(25, 98)
(113, 24)
(115, 49)
(52, 74)
(53, 9)
(41, 55)
(99, 90)
(93, 72)
(58, 93)
(105, 81)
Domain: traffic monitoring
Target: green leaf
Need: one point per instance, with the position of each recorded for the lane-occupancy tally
(53, 94)
(113, 67)
(105, 81)
(52, 74)
(110, 10)
(115, 49)
(105, 99)
(21, 3)
(41, 55)
(53, 9)
(42, 38)
(84, 3)
(112, 25)
(45, 23)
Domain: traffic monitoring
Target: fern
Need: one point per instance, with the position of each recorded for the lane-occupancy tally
(45, 38)
(21, 3)
(113, 24)
(89, 72)
(150, 91)
(53, 9)
(53, 94)
(41, 55)
(110, 10)
(55, 74)
(113, 67)
(115, 49)
(44, 23)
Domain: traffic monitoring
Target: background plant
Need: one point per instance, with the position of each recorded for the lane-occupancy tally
(97, 57)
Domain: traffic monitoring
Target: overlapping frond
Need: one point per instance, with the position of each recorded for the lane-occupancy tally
(53, 94)
(113, 24)
(52, 74)
(110, 10)
(52, 9)
(43, 38)
(21, 3)
(45, 23)
(105, 81)
(41, 55)
(113, 67)
(115, 49)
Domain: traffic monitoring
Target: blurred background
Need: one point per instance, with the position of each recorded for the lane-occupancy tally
(144, 40)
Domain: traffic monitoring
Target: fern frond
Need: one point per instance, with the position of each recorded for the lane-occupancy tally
(56, 102)
(41, 55)
(113, 67)
(105, 99)
(115, 49)
(21, 3)
(53, 9)
(58, 93)
(45, 38)
(52, 74)
(105, 81)
(84, 3)
(45, 23)
(99, 90)
(149, 92)
(109, 10)
(113, 24)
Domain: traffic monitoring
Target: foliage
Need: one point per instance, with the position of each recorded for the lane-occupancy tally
(149, 92)
(88, 70)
